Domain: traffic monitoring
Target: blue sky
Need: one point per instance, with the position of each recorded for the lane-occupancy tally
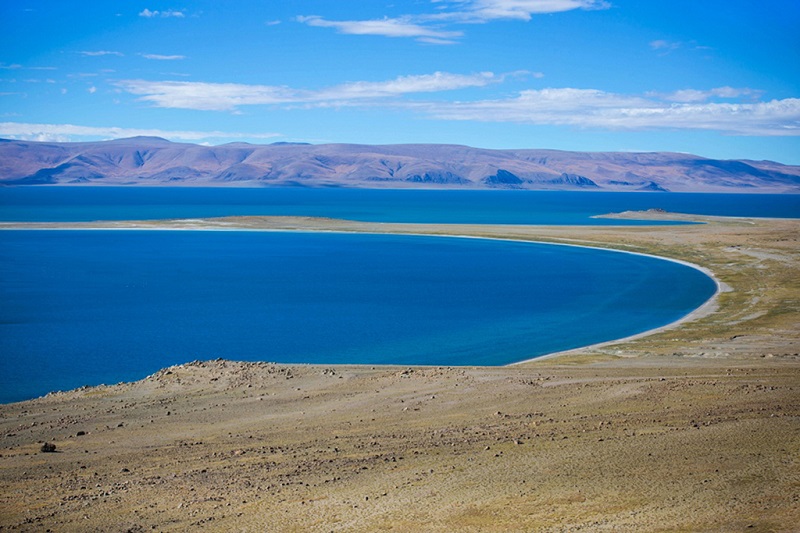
(715, 78)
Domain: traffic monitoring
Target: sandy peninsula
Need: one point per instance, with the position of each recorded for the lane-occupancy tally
(695, 427)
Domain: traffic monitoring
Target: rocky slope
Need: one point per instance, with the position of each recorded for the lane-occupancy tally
(155, 161)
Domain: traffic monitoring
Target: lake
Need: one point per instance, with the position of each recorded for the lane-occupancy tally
(434, 206)
(91, 307)
(103, 306)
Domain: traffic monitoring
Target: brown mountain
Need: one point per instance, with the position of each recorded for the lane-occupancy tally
(155, 161)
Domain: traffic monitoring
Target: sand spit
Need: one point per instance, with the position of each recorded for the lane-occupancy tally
(694, 428)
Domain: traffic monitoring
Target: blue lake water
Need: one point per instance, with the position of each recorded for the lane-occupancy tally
(102, 306)
(436, 206)
(90, 307)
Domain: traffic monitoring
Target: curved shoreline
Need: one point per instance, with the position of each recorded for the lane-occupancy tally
(707, 308)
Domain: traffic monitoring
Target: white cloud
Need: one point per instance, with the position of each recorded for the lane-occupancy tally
(686, 109)
(427, 28)
(479, 11)
(426, 83)
(387, 27)
(207, 96)
(661, 44)
(665, 47)
(436, 40)
(694, 95)
(589, 108)
(71, 132)
(229, 96)
(163, 14)
(92, 89)
(160, 57)
(98, 53)
(17, 66)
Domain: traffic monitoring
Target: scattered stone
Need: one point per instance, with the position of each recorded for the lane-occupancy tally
(48, 447)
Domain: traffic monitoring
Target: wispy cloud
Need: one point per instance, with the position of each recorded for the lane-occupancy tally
(387, 27)
(17, 66)
(686, 109)
(665, 47)
(482, 11)
(695, 95)
(160, 57)
(99, 53)
(175, 13)
(661, 44)
(71, 132)
(590, 108)
(230, 96)
(36, 80)
(431, 28)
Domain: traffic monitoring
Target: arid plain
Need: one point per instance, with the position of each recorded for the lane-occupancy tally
(695, 427)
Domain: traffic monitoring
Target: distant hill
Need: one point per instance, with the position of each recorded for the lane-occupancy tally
(156, 161)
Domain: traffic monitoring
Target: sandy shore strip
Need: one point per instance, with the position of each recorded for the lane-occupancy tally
(694, 428)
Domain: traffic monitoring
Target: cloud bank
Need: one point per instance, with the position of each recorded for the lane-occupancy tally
(230, 96)
(71, 132)
(590, 108)
(686, 109)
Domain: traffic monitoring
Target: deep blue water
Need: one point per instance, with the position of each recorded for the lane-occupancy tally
(97, 307)
(90, 307)
(437, 206)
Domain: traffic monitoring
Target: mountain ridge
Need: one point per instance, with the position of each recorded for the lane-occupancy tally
(157, 161)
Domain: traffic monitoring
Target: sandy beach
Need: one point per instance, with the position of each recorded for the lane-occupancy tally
(693, 427)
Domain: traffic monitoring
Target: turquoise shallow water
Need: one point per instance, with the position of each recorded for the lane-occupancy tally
(90, 307)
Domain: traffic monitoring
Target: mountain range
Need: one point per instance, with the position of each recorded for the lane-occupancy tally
(156, 161)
